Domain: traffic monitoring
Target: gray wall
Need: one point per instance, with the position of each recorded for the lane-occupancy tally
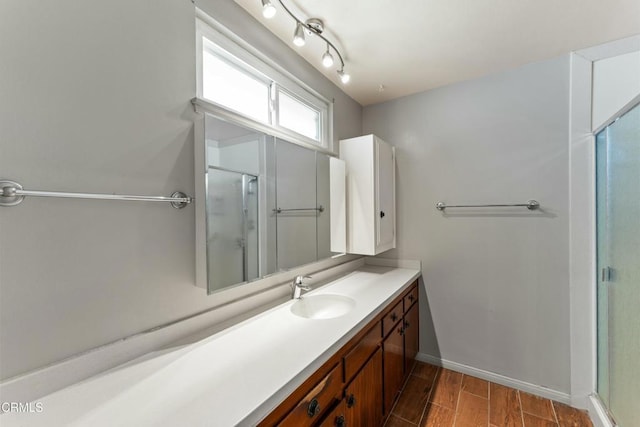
(497, 281)
(95, 98)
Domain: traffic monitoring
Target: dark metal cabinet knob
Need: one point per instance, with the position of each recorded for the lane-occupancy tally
(314, 408)
(340, 421)
(394, 317)
(351, 400)
(411, 298)
(401, 331)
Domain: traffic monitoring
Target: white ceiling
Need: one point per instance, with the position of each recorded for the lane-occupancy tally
(409, 46)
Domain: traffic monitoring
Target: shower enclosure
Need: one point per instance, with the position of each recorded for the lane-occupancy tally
(618, 253)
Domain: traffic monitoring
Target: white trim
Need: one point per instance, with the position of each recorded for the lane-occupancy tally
(598, 413)
(548, 393)
(608, 50)
(205, 106)
(582, 244)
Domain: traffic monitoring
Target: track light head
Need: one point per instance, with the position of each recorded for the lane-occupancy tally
(327, 58)
(298, 35)
(268, 9)
(344, 77)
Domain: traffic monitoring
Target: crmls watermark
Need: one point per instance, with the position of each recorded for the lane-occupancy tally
(32, 407)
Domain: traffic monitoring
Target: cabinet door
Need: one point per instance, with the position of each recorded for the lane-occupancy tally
(411, 336)
(393, 365)
(385, 195)
(363, 396)
(337, 417)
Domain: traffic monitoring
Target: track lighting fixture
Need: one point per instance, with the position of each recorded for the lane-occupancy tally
(268, 9)
(313, 27)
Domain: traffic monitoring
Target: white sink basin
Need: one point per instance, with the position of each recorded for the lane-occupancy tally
(325, 306)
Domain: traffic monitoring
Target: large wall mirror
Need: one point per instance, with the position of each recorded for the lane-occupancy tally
(264, 205)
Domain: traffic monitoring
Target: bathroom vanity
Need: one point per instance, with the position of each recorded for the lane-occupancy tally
(359, 383)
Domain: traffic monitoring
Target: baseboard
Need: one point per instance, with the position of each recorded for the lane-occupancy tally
(598, 413)
(548, 393)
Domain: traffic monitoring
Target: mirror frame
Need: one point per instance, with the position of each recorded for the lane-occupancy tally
(337, 189)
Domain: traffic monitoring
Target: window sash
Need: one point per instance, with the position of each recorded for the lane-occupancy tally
(280, 92)
(245, 73)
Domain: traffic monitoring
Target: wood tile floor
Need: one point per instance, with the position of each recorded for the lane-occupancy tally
(438, 397)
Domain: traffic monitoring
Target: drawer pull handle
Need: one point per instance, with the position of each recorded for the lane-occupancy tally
(340, 421)
(411, 298)
(394, 317)
(351, 400)
(401, 331)
(313, 409)
(406, 324)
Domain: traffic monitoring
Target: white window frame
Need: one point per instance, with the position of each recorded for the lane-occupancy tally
(240, 54)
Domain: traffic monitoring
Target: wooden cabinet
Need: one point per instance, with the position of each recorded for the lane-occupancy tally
(359, 383)
(371, 204)
(363, 396)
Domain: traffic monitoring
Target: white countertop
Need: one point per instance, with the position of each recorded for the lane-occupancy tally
(235, 377)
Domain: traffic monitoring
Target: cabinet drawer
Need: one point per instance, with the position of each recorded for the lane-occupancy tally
(310, 408)
(355, 359)
(411, 297)
(391, 318)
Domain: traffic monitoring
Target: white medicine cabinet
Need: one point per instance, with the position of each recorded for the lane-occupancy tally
(371, 198)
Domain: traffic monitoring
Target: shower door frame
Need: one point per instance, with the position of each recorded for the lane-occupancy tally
(605, 272)
(582, 225)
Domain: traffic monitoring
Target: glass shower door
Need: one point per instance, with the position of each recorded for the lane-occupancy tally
(618, 236)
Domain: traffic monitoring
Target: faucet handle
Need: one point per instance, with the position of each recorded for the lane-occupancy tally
(299, 279)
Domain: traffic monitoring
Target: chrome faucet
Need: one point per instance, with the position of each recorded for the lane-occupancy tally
(298, 286)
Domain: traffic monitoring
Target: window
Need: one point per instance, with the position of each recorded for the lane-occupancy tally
(227, 84)
(239, 80)
(298, 116)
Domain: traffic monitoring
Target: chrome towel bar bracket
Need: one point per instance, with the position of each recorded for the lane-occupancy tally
(532, 205)
(12, 194)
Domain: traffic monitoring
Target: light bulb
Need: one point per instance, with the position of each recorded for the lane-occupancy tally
(344, 77)
(327, 59)
(268, 9)
(298, 35)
